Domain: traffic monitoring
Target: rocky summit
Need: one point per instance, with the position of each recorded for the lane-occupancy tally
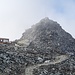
(47, 35)
(43, 49)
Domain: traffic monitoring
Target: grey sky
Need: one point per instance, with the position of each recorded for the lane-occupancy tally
(18, 15)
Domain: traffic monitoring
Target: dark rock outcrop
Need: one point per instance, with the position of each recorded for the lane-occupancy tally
(47, 35)
(49, 40)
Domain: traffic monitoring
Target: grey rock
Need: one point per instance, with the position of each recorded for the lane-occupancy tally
(42, 43)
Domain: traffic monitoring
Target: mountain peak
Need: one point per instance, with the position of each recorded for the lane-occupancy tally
(46, 19)
(47, 33)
